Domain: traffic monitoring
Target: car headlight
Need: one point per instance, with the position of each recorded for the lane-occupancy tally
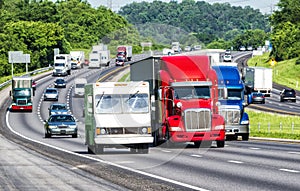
(52, 126)
(73, 126)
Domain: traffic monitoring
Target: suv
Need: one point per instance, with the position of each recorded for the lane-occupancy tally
(287, 95)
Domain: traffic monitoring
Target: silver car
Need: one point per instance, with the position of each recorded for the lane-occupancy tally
(51, 94)
(61, 124)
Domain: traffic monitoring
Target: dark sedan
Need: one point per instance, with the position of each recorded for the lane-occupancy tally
(60, 83)
(60, 124)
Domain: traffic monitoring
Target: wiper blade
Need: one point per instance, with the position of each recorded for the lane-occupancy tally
(133, 95)
(100, 99)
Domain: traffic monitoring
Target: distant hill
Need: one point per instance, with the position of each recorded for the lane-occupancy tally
(206, 21)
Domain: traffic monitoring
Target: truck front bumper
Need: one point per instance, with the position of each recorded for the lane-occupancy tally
(180, 136)
(123, 140)
(21, 108)
(236, 129)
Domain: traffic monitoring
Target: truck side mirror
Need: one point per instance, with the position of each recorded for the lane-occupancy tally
(159, 94)
(225, 95)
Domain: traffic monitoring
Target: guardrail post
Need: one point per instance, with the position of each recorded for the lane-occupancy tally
(280, 125)
(259, 127)
(293, 127)
(269, 126)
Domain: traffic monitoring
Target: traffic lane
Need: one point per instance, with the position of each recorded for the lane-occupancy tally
(24, 169)
(231, 168)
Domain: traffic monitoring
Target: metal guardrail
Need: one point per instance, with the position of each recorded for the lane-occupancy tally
(29, 74)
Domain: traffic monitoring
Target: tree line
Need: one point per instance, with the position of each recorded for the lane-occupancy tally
(218, 25)
(36, 27)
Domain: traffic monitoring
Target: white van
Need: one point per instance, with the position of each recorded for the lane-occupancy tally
(79, 87)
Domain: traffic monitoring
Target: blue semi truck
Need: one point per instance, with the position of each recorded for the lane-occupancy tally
(232, 105)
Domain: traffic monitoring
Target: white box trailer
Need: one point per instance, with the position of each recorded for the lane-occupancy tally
(258, 79)
(105, 57)
(94, 60)
(79, 86)
(118, 114)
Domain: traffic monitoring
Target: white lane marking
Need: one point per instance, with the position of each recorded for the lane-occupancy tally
(289, 170)
(235, 161)
(296, 153)
(124, 162)
(105, 162)
(254, 148)
(198, 156)
(166, 151)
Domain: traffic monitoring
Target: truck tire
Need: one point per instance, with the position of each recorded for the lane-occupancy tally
(245, 137)
(143, 148)
(155, 138)
(75, 135)
(220, 144)
(99, 149)
(169, 143)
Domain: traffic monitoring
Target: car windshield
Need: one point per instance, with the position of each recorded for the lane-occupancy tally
(197, 92)
(58, 107)
(51, 91)
(60, 80)
(61, 118)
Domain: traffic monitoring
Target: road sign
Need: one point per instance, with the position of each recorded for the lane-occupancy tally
(18, 57)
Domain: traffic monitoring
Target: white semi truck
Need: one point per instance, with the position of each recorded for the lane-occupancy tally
(117, 114)
(77, 59)
(258, 79)
(62, 65)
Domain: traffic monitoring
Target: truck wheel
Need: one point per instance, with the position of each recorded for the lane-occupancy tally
(75, 135)
(197, 144)
(245, 137)
(155, 138)
(99, 149)
(220, 144)
(143, 148)
(169, 142)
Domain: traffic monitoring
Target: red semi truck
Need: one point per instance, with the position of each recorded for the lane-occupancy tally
(184, 99)
(124, 53)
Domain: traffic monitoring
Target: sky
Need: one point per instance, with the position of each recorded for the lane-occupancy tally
(265, 6)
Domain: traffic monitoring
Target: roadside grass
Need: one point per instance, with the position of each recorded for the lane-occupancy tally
(125, 78)
(285, 72)
(263, 124)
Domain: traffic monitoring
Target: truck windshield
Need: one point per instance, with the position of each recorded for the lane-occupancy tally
(137, 103)
(122, 103)
(59, 64)
(198, 92)
(25, 92)
(233, 94)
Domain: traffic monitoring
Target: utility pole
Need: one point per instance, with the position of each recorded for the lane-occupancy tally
(109, 4)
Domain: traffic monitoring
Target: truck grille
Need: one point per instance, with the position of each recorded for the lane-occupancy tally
(197, 119)
(231, 117)
(22, 102)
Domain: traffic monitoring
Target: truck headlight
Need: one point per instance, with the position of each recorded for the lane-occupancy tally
(175, 129)
(246, 122)
(219, 127)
